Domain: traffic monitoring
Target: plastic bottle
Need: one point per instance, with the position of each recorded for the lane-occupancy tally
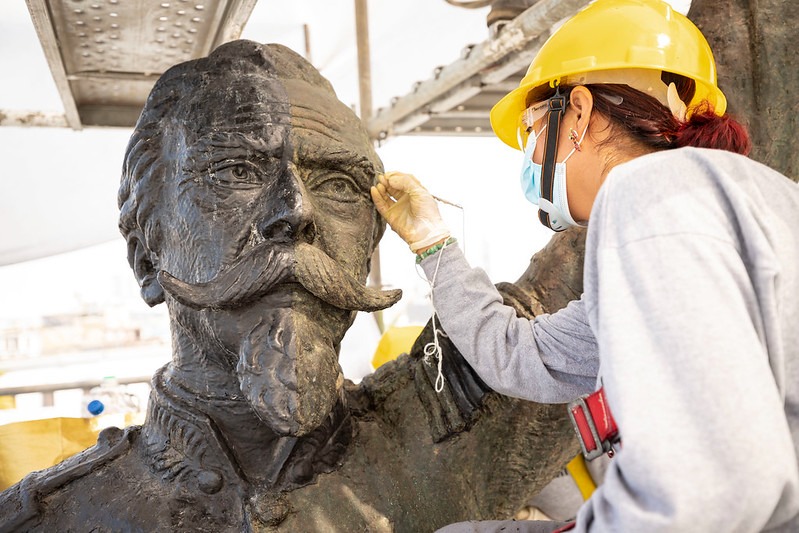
(110, 404)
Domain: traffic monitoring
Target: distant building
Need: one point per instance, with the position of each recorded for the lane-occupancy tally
(50, 363)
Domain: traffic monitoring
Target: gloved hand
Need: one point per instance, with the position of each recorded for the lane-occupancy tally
(410, 210)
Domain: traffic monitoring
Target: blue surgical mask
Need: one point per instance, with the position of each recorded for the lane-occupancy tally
(531, 172)
(559, 214)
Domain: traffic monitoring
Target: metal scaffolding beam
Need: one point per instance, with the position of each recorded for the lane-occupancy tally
(476, 81)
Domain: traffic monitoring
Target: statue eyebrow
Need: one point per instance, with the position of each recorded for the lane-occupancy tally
(339, 156)
(215, 146)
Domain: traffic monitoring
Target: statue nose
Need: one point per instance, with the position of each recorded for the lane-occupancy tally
(292, 220)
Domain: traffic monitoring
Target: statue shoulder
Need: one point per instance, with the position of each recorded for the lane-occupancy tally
(20, 505)
(405, 389)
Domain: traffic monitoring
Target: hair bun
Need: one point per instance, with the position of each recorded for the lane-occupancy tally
(705, 129)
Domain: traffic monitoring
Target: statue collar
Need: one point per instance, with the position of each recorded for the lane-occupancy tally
(184, 443)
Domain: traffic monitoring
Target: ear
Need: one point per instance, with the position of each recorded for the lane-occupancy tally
(582, 101)
(143, 262)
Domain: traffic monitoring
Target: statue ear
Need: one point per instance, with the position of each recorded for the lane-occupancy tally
(143, 265)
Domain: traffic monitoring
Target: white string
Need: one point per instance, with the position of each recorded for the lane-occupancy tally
(433, 349)
(463, 218)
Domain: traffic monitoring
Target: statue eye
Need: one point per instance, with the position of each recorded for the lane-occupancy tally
(240, 172)
(339, 187)
(235, 175)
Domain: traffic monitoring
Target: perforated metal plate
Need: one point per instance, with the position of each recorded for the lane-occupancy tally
(105, 55)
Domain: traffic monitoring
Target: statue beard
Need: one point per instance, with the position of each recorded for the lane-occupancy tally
(288, 362)
(288, 371)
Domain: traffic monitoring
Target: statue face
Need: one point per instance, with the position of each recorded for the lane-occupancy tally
(250, 172)
(266, 232)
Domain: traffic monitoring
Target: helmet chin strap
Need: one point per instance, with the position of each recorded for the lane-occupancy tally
(557, 106)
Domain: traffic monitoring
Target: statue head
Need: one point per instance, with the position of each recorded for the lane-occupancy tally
(245, 205)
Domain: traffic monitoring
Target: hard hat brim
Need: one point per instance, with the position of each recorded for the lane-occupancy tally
(507, 111)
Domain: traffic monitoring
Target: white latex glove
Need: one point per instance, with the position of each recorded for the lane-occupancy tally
(410, 210)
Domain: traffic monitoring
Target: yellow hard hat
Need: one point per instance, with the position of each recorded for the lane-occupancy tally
(615, 37)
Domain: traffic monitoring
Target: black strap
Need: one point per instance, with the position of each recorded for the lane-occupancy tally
(557, 106)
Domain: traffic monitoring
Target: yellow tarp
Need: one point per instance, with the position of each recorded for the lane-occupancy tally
(395, 342)
(37, 444)
(8, 402)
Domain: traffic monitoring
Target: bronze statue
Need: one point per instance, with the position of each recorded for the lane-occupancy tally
(245, 205)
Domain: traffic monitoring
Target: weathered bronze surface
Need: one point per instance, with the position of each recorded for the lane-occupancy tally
(244, 202)
(754, 44)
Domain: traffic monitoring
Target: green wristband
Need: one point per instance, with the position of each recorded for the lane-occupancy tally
(427, 253)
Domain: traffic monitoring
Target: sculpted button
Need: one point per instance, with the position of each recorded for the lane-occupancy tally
(269, 509)
(209, 482)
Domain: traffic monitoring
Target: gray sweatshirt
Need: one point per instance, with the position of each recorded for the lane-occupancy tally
(690, 320)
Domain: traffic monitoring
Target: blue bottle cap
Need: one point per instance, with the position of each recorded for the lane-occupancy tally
(95, 407)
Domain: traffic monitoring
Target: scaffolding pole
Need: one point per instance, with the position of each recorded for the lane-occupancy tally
(365, 94)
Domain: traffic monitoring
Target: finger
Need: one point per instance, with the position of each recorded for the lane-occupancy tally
(393, 178)
(398, 184)
(391, 173)
(394, 192)
(385, 180)
(384, 193)
(382, 187)
(380, 190)
(380, 200)
(399, 181)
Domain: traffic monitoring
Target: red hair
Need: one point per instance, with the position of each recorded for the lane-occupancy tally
(705, 129)
(652, 124)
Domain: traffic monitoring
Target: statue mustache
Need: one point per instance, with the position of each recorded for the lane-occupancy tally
(262, 268)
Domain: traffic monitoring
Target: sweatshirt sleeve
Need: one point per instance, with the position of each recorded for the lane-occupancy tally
(551, 359)
(705, 442)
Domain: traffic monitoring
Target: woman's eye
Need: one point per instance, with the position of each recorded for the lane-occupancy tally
(339, 188)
